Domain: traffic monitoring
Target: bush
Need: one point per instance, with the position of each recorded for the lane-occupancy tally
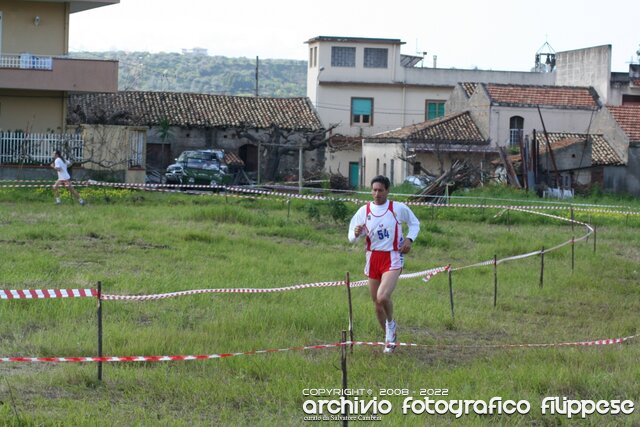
(338, 210)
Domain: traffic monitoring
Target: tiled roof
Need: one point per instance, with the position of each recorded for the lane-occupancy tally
(628, 117)
(341, 142)
(192, 110)
(469, 88)
(232, 159)
(602, 154)
(453, 129)
(549, 96)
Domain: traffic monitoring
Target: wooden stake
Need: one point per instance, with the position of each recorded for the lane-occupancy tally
(542, 267)
(495, 280)
(572, 219)
(453, 314)
(348, 283)
(343, 364)
(99, 330)
(573, 253)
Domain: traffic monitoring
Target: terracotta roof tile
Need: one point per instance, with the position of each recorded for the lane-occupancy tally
(550, 96)
(602, 154)
(192, 110)
(628, 117)
(454, 129)
(232, 159)
(469, 88)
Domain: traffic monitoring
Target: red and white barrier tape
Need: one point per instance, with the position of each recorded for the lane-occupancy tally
(46, 293)
(301, 348)
(243, 189)
(427, 274)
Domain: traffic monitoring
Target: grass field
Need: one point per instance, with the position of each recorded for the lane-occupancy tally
(139, 243)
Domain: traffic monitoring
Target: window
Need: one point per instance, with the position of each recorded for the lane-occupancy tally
(361, 110)
(343, 56)
(516, 126)
(384, 169)
(136, 144)
(375, 57)
(434, 109)
(313, 57)
(377, 166)
(417, 168)
(391, 171)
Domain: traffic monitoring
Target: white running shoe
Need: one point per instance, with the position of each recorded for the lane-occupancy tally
(390, 337)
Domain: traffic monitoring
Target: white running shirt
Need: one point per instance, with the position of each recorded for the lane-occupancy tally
(383, 225)
(61, 168)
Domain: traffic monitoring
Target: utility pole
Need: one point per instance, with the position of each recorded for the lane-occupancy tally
(257, 62)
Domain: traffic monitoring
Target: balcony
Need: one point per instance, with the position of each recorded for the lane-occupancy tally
(39, 72)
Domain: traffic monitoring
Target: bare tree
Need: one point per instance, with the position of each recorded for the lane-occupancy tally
(276, 143)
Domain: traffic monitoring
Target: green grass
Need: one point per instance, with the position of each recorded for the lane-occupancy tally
(142, 243)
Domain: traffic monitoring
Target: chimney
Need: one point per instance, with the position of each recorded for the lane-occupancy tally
(435, 61)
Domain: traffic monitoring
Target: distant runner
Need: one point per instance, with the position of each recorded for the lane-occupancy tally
(64, 179)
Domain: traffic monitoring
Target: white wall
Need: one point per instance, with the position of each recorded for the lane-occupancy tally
(555, 120)
(586, 67)
(376, 155)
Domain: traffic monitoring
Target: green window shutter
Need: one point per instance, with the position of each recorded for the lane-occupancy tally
(361, 106)
(432, 111)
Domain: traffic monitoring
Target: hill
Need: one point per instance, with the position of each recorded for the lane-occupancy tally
(201, 73)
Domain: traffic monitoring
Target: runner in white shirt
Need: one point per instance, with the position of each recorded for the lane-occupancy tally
(380, 223)
(64, 179)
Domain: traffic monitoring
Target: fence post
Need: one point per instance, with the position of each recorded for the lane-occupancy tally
(348, 283)
(453, 315)
(573, 252)
(289, 210)
(343, 364)
(99, 330)
(594, 239)
(572, 219)
(542, 267)
(508, 219)
(495, 280)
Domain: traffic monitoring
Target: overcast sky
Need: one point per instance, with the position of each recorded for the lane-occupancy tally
(488, 34)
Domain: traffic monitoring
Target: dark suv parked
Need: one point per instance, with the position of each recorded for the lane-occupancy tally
(198, 167)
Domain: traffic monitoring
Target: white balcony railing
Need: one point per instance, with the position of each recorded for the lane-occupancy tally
(38, 148)
(26, 61)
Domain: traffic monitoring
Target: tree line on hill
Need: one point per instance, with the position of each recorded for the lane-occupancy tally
(201, 73)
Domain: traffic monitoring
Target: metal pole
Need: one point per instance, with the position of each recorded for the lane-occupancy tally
(542, 267)
(288, 208)
(99, 330)
(343, 363)
(508, 220)
(453, 315)
(350, 310)
(594, 238)
(495, 280)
